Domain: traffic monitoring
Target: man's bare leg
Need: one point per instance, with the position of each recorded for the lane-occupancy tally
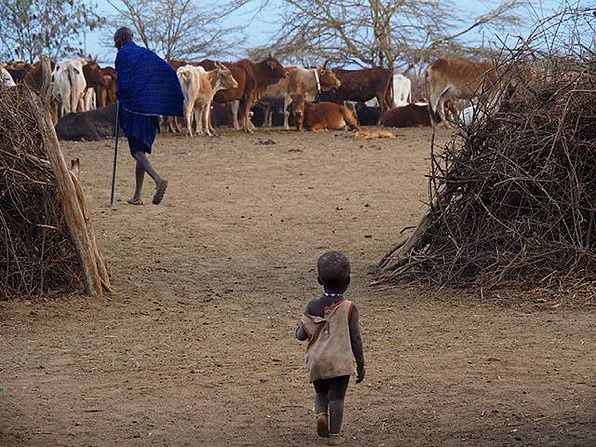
(144, 165)
(139, 177)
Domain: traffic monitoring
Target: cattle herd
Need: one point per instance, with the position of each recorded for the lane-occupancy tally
(243, 93)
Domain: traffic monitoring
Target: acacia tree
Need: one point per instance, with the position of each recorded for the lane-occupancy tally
(178, 28)
(29, 28)
(381, 32)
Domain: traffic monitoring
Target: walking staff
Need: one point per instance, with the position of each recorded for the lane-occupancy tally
(116, 136)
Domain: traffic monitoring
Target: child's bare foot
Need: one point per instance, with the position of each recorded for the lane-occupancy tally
(322, 425)
(336, 439)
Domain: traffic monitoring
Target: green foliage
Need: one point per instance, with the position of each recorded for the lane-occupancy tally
(30, 28)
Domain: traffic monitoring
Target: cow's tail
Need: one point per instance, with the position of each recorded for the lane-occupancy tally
(72, 97)
(185, 78)
(390, 93)
(350, 118)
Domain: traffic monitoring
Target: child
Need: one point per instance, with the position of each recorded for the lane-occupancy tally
(330, 324)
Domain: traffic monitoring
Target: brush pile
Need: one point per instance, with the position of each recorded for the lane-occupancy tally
(45, 236)
(513, 195)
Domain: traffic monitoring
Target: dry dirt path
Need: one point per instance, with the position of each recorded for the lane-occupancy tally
(196, 348)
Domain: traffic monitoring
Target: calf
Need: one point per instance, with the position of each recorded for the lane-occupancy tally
(322, 115)
(93, 125)
(199, 88)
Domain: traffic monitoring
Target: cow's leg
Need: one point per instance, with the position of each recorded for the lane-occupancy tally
(188, 115)
(235, 106)
(436, 101)
(210, 120)
(206, 113)
(245, 114)
(286, 113)
(198, 114)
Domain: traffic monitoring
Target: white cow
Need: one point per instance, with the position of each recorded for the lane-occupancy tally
(5, 78)
(199, 88)
(402, 92)
(70, 85)
(89, 99)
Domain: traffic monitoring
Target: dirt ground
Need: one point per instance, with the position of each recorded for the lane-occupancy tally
(195, 347)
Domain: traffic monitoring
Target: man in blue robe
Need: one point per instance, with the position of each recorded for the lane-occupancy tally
(146, 87)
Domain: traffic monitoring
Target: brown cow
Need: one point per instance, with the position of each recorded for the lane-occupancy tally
(411, 115)
(322, 115)
(18, 70)
(416, 115)
(34, 77)
(308, 82)
(106, 93)
(93, 74)
(362, 85)
(253, 79)
(457, 78)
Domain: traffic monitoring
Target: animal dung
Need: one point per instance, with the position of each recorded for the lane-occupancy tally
(371, 134)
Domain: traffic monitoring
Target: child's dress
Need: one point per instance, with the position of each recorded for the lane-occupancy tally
(329, 351)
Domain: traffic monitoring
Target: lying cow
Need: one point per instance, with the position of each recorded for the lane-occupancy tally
(308, 82)
(411, 115)
(93, 125)
(199, 88)
(322, 115)
(367, 115)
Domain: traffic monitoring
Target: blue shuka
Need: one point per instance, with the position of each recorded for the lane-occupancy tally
(146, 87)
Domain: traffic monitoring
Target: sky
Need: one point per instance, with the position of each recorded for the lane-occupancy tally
(259, 27)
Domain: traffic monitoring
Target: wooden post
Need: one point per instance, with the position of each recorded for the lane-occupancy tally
(76, 211)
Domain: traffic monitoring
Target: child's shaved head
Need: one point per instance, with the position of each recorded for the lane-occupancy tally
(334, 271)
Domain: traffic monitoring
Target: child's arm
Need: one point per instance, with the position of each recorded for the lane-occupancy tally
(356, 341)
(300, 332)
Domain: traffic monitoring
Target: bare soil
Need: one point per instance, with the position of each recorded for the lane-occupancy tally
(195, 347)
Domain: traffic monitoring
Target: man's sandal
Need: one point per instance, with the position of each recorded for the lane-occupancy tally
(322, 425)
(134, 201)
(160, 190)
